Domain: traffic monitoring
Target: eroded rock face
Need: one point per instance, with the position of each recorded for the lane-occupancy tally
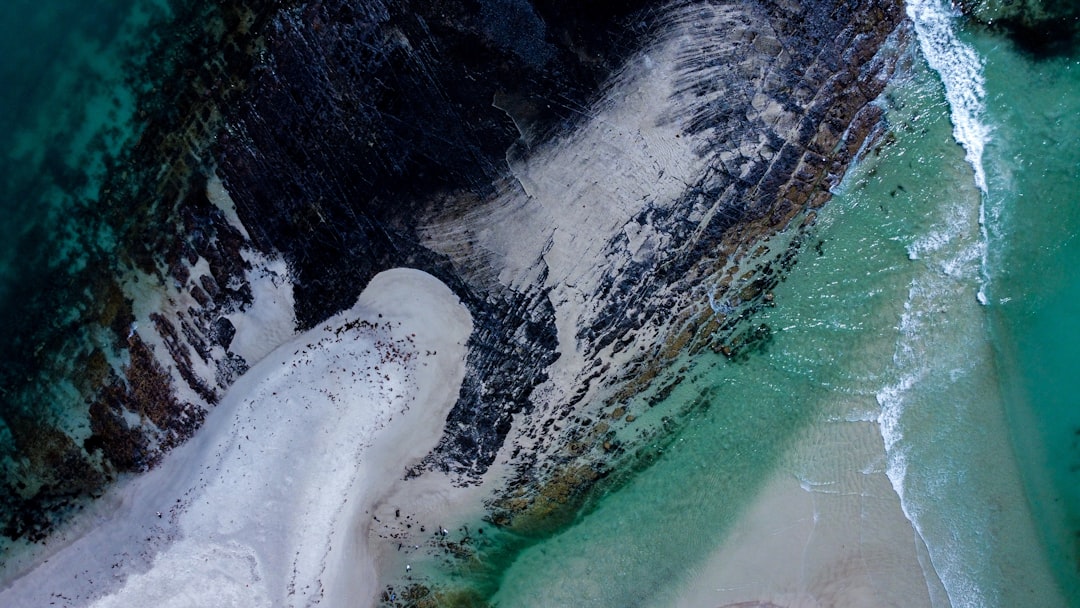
(606, 187)
(391, 108)
(594, 232)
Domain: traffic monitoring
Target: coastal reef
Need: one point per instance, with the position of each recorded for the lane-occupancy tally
(608, 188)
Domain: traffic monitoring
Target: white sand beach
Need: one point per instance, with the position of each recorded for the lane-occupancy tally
(270, 503)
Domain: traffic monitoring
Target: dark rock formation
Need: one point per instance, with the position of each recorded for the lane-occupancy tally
(467, 139)
(362, 121)
(361, 114)
(79, 358)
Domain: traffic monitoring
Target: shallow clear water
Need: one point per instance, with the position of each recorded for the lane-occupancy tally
(73, 75)
(67, 109)
(1033, 162)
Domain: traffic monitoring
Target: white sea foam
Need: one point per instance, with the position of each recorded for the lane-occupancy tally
(929, 242)
(960, 68)
(941, 239)
(916, 360)
(961, 71)
(953, 257)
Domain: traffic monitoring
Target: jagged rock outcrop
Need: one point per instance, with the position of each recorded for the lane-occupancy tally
(607, 188)
(388, 108)
(770, 101)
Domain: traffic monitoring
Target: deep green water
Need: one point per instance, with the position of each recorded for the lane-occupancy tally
(64, 110)
(1033, 165)
(880, 322)
(83, 85)
(67, 110)
(68, 106)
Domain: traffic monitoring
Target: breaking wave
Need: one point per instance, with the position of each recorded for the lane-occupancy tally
(961, 71)
(960, 68)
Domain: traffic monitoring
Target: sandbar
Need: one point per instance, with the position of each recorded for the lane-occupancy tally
(270, 503)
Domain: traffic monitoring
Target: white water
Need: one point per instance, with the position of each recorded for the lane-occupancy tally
(918, 361)
(961, 70)
(941, 413)
(937, 323)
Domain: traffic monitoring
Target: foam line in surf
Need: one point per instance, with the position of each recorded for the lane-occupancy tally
(960, 69)
(916, 360)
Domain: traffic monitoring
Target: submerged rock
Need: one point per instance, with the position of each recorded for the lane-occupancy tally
(1041, 28)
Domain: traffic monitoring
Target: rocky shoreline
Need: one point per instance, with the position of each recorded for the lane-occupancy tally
(357, 137)
(384, 198)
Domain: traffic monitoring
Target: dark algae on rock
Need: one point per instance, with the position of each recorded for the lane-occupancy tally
(355, 137)
(81, 366)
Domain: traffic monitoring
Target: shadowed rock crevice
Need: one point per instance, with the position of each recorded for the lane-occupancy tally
(453, 137)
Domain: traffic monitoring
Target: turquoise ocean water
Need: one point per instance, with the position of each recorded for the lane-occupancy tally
(67, 110)
(936, 296)
(66, 107)
(1033, 169)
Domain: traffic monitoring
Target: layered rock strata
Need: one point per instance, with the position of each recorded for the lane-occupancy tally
(95, 385)
(732, 120)
(605, 190)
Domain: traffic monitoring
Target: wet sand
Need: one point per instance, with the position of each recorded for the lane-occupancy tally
(827, 529)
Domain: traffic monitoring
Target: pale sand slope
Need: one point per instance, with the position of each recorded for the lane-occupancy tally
(270, 503)
(827, 530)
